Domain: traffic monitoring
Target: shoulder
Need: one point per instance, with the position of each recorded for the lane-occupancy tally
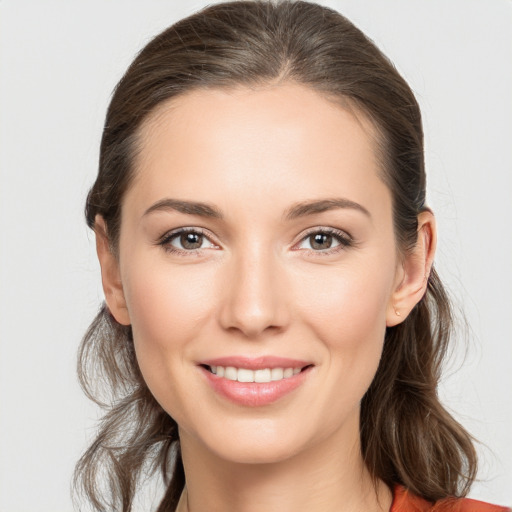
(405, 501)
(466, 505)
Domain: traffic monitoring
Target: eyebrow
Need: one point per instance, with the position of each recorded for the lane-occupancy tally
(298, 210)
(188, 207)
(323, 205)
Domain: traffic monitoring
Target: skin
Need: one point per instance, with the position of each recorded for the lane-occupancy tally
(258, 287)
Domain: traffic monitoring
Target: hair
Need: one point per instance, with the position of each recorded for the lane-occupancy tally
(407, 437)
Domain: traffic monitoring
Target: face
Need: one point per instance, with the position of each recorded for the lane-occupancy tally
(257, 243)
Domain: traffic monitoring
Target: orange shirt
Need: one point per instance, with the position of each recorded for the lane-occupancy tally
(405, 501)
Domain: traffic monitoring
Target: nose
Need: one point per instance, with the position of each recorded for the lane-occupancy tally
(254, 294)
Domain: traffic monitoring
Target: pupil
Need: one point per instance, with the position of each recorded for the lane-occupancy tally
(191, 240)
(321, 241)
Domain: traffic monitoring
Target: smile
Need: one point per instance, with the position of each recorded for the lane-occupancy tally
(255, 382)
(247, 375)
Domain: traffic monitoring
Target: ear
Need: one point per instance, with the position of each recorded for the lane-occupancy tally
(412, 276)
(110, 275)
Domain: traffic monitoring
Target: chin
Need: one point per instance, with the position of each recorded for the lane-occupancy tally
(270, 453)
(254, 443)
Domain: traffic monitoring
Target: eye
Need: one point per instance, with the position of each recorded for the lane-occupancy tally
(186, 240)
(325, 240)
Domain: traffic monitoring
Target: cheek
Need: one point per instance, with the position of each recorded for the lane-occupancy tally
(348, 316)
(347, 301)
(168, 308)
(164, 300)
(343, 310)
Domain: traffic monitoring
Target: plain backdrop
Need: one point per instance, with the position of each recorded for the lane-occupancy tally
(59, 61)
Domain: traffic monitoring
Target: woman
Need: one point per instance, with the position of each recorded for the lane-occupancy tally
(274, 327)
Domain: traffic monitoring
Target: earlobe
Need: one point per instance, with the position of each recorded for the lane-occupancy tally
(110, 274)
(414, 272)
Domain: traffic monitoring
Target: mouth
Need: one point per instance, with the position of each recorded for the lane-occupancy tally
(261, 375)
(255, 382)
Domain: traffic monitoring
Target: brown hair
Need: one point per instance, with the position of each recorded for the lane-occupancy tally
(407, 437)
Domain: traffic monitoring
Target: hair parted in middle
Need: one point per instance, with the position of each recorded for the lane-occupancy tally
(407, 437)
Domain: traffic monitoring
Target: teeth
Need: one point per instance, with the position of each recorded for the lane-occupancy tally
(262, 375)
(242, 375)
(231, 373)
(276, 373)
(246, 375)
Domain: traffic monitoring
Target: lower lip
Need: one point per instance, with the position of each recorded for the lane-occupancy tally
(255, 394)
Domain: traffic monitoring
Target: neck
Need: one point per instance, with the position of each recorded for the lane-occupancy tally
(316, 480)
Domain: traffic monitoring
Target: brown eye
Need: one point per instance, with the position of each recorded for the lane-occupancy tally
(321, 241)
(191, 241)
(325, 241)
(186, 240)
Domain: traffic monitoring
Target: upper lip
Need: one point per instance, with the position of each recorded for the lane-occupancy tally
(256, 363)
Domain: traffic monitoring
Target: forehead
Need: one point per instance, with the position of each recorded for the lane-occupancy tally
(285, 140)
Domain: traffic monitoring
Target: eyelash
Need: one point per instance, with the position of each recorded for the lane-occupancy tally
(165, 241)
(344, 241)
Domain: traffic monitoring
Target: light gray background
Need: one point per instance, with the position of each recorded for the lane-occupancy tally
(59, 61)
